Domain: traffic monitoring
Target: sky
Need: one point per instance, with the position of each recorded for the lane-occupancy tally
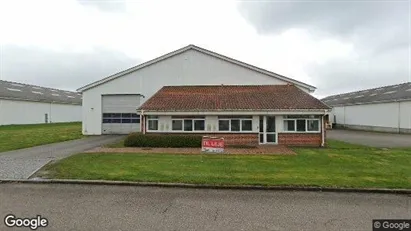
(336, 45)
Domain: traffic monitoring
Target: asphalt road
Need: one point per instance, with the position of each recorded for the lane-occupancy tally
(372, 139)
(20, 164)
(98, 207)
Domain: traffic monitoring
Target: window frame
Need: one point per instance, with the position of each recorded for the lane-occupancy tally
(152, 118)
(107, 118)
(192, 119)
(306, 119)
(240, 119)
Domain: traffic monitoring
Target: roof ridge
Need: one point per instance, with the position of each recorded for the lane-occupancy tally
(32, 85)
(368, 89)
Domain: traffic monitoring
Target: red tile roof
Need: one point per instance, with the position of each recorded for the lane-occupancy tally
(231, 97)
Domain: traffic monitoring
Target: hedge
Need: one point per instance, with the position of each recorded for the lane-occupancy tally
(162, 141)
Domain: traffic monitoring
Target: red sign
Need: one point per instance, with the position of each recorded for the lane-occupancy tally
(212, 144)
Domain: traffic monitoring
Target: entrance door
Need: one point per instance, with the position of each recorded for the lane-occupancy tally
(267, 130)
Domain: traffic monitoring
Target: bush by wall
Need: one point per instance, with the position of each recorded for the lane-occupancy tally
(162, 141)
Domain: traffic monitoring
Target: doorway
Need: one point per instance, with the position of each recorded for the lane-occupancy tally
(267, 130)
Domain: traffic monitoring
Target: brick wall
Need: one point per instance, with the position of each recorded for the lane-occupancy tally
(299, 139)
(229, 139)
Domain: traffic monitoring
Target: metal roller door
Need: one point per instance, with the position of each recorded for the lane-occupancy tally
(119, 114)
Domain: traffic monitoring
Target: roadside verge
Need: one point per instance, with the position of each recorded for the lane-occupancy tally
(207, 186)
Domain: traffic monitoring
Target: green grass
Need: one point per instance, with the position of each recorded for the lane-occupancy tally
(339, 165)
(119, 144)
(14, 137)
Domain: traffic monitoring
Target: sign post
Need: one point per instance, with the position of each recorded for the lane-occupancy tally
(212, 144)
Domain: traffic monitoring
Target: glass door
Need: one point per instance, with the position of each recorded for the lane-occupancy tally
(270, 134)
(267, 130)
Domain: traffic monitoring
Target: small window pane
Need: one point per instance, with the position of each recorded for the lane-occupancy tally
(116, 121)
(235, 125)
(289, 125)
(270, 138)
(153, 125)
(177, 125)
(246, 125)
(261, 137)
(313, 125)
(223, 125)
(261, 124)
(115, 115)
(188, 125)
(135, 121)
(106, 115)
(106, 121)
(134, 115)
(301, 125)
(199, 125)
(126, 115)
(126, 121)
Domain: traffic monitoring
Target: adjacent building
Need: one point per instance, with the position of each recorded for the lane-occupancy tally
(29, 104)
(385, 109)
(110, 105)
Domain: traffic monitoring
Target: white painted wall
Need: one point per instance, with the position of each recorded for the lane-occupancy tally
(188, 68)
(25, 112)
(385, 115)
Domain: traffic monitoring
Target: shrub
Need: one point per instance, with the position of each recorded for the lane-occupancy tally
(162, 141)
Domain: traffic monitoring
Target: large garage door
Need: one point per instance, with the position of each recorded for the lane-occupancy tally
(119, 114)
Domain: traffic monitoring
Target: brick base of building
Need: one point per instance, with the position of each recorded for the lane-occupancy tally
(288, 139)
(229, 138)
(300, 139)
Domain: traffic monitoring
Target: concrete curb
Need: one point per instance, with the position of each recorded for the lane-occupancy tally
(206, 186)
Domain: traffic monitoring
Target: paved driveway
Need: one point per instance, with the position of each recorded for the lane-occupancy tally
(373, 139)
(20, 164)
(101, 207)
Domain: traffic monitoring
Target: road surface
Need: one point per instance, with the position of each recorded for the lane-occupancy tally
(99, 207)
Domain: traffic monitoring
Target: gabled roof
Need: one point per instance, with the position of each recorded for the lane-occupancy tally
(392, 93)
(204, 51)
(231, 98)
(20, 91)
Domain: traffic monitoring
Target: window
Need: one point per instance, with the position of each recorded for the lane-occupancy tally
(313, 125)
(152, 122)
(121, 118)
(289, 125)
(177, 125)
(188, 123)
(235, 123)
(199, 125)
(224, 125)
(247, 125)
(302, 123)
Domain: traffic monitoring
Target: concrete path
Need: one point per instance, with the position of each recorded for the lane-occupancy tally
(20, 164)
(373, 139)
(99, 207)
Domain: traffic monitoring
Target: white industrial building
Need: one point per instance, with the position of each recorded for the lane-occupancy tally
(28, 104)
(385, 109)
(109, 105)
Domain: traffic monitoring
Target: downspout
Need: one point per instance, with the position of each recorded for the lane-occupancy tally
(323, 130)
(143, 122)
(399, 116)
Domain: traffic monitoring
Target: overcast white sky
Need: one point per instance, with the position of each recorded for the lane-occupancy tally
(337, 46)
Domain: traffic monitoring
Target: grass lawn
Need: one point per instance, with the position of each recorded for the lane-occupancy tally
(339, 165)
(23, 136)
